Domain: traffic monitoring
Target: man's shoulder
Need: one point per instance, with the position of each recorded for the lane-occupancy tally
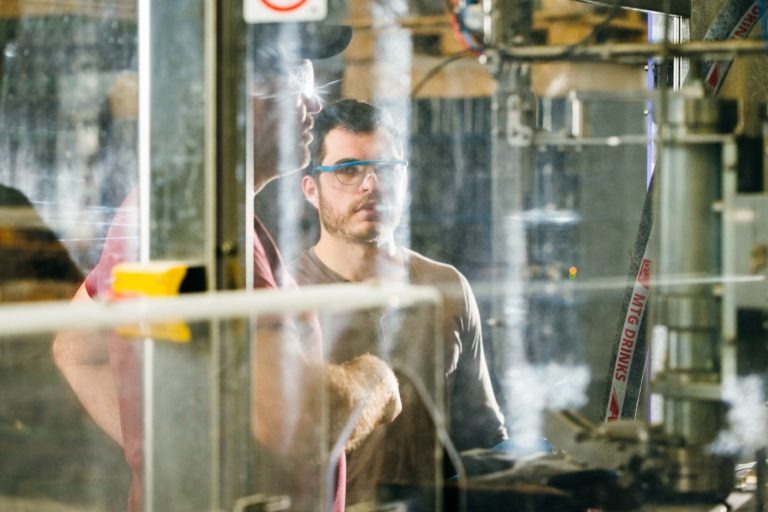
(300, 268)
(307, 269)
(445, 277)
(455, 288)
(426, 270)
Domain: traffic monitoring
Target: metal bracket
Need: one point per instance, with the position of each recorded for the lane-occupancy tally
(518, 133)
(262, 503)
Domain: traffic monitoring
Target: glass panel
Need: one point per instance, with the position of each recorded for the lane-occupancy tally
(178, 143)
(523, 200)
(170, 400)
(54, 455)
(68, 137)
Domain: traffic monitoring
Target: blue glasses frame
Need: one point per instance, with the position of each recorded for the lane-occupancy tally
(360, 177)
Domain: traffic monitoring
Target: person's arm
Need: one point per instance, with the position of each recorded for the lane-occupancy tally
(476, 419)
(83, 359)
(295, 396)
(364, 391)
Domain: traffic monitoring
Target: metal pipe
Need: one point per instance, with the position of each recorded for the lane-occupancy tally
(23, 319)
(513, 171)
(637, 51)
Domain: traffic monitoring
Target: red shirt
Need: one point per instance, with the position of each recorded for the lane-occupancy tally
(125, 357)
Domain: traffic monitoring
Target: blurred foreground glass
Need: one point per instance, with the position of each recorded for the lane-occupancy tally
(68, 107)
(191, 393)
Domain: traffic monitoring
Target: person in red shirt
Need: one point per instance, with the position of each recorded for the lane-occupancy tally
(106, 374)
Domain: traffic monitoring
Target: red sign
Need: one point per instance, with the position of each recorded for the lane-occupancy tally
(289, 6)
(644, 275)
(629, 333)
(613, 408)
(284, 11)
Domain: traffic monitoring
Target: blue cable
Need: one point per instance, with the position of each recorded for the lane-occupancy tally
(468, 38)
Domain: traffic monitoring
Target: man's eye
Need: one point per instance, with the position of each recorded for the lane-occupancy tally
(351, 170)
(385, 168)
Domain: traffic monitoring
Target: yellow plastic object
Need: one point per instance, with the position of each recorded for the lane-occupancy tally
(154, 279)
(176, 332)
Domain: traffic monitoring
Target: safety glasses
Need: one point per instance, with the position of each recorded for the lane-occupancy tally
(355, 172)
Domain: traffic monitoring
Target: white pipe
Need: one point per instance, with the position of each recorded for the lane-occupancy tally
(144, 124)
(57, 316)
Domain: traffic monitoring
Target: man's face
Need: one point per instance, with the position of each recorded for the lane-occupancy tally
(366, 212)
(283, 104)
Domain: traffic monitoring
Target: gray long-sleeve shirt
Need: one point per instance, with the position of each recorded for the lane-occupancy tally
(404, 450)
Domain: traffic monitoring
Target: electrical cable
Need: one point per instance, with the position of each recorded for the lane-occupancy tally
(438, 420)
(437, 69)
(460, 31)
(337, 451)
(464, 37)
(735, 20)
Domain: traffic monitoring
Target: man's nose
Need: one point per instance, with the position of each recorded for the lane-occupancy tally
(371, 184)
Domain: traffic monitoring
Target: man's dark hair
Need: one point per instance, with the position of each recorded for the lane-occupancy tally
(350, 115)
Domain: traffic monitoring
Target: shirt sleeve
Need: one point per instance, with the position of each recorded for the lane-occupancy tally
(121, 244)
(476, 419)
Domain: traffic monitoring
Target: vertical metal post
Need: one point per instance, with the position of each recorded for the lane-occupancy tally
(513, 167)
(233, 249)
(177, 127)
(509, 22)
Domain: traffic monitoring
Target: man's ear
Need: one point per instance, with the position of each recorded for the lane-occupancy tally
(311, 192)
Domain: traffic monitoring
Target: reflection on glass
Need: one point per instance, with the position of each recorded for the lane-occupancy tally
(302, 416)
(67, 104)
(67, 161)
(523, 242)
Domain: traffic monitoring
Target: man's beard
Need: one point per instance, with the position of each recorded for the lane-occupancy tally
(340, 224)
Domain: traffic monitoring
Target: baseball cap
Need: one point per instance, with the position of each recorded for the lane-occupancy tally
(289, 42)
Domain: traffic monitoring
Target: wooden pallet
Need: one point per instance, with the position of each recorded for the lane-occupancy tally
(567, 21)
(557, 22)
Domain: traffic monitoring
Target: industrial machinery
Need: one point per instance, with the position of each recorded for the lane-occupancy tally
(690, 260)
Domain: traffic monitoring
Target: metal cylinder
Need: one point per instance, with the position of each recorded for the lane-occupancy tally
(688, 261)
(507, 22)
